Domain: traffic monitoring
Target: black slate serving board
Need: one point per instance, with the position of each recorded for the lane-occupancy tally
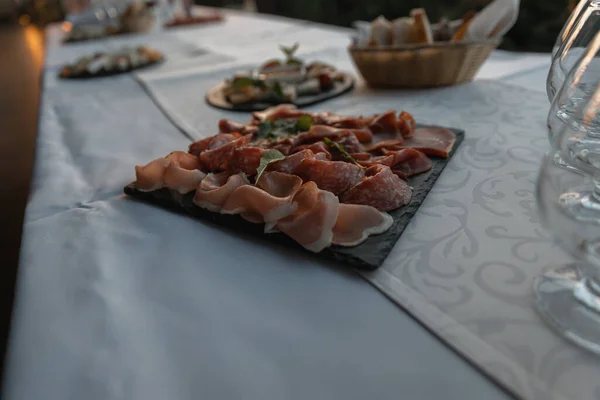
(368, 255)
(215, 97)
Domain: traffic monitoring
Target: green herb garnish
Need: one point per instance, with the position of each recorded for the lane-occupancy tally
(334, 145)
(242, 82)
(289, 54)
(278, 90)
(304, 123)
(268, 157)
(283, 128)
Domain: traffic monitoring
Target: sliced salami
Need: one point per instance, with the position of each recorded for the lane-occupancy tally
(380, 189)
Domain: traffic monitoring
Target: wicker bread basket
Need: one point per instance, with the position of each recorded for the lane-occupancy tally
(421, 66)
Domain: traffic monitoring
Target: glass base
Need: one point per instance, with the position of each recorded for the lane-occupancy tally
(582, 206)
(560, 162)
(569, 302)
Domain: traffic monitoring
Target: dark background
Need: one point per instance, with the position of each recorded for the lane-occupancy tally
(536, 29)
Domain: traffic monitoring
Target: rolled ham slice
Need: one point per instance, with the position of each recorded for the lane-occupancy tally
(151, 176)
(380, 189)
(311, 225)
(178, 171)
(355, 223)
(215, 189)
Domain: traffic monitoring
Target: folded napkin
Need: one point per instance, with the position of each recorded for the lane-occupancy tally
(494, 20)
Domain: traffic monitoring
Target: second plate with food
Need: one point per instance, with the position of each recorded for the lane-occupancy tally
(287, 81)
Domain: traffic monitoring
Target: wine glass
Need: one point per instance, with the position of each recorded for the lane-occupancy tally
(566, 29)
(577, 88)
(582, 32)
(575, 129)
(568, 296)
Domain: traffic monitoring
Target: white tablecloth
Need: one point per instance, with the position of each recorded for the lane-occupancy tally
(120, 300)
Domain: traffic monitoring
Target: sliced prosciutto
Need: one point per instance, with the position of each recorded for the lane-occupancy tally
(334, 176)
(218, 159)
(151, 176)
(179, 171)
(215, 189)
(432, 141)
(380, 189)
(404, 163)
(311, 225)
(268, 201)
(355, 223)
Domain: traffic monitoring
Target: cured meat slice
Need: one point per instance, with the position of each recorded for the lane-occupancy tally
(391, 144)
(184, 160)
(218, 159)
(211, 143)
(178, 171)
(283, 148)
(182, 180)
(228, 126)
(361, 156)
(432, 141)
(355, 223)
(363, 135)
(152, 175)
(311, 225)
(380, 189)
(215, 189)
(350, 142)
(410, 162)
(319, 147)
(334, 176)
(384, 123)
(291, 163)
(246, 159)
(281, 111)
(406, 124)
(404, 163)
(268, 201)
(315, 134)
(346, 122)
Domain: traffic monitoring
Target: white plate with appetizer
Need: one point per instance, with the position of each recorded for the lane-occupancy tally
(280, 81)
